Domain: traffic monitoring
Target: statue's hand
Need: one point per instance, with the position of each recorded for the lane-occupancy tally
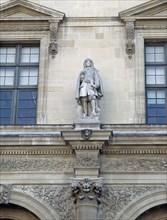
(87, 80)
(78, 101)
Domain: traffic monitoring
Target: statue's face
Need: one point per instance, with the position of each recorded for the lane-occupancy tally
(88, 63)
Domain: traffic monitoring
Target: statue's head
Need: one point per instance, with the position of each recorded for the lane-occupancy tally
(88, 62)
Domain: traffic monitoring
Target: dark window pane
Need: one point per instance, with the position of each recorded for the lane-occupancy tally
(152, 120)
(151, 112)
(26, 113)
(5, 121)
(161, 120)
(161, 112)
(27, 95)
(26, 107)
(22, 104)
(30, 121)
(5, 107)
(5, 95)
(27, 121)
(21, 121)
(5, 113)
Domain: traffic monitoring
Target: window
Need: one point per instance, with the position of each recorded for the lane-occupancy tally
(156, 83)
(19, 65)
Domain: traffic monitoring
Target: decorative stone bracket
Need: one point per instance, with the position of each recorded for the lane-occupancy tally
(87, 144)
(86, 189)
(5, 190)
(53, 49)
(130, 33)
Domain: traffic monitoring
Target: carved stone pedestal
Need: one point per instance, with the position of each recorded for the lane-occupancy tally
(86, 194)
(87, 123)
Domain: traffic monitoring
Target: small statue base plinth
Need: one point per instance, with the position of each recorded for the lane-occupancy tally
(87, 123)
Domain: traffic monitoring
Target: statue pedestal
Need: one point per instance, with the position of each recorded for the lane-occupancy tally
(87, 123)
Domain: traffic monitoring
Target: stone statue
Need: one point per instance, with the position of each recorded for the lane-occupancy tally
(89, 90)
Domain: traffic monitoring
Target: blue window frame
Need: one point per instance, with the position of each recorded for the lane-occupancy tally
(19, 66)
(156, 83)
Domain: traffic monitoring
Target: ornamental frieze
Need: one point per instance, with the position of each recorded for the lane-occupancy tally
(133, 164)
(24, 28)
(150, 27)
(58, 198)
(33, 164)
(115, 198)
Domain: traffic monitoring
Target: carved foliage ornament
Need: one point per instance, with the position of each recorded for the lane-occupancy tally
(130, 45)
(87, 189)
(115, 198)
(53, 49)
(36, 164)
(5, 190)
(57, 198)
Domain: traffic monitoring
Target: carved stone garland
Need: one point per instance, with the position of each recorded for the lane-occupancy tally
(53, 49)
(130, 45)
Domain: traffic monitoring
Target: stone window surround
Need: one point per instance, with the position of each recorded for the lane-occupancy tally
(43, 40)
(140, 38)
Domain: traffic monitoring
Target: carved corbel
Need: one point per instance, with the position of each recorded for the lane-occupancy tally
(130, 33)
(86, 189)
(53, 48)
(5, 190)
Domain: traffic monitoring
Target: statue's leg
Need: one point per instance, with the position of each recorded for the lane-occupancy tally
(93, 103)
(84, 106)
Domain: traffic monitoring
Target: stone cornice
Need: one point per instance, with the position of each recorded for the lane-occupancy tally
(147, 150)
(97, 135)
(86, 145)
(65, 135)
(40, 151)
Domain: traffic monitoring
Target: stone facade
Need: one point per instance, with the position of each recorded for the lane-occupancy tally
(64, 168)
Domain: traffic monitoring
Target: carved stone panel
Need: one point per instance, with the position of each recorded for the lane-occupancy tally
(58, 198)
(36, 164)
(115, 198)
(5, 190)
(142, 164)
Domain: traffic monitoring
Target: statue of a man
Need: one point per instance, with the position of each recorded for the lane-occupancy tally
(89, 89)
